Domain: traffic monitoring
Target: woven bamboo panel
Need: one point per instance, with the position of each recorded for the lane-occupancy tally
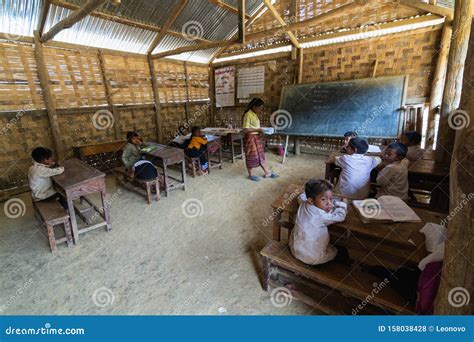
(75, 78)
(198, 82)
(19, 83)
(199, 115)
(171, 81)
(173, 117)
(414, 55)
(141, 120)
(22, 135)
(129, 79)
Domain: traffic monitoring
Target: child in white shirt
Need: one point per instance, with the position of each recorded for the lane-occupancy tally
(39, 176)
(392, 178)
(354, 181)
(347, 137)
(412, 141)
(309, 240)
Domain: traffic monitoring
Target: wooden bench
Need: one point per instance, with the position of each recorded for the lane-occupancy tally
(52, 214)
(332, 288)
(142, 187)
(104, 156)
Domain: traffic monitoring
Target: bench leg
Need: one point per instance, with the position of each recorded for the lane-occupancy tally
(52, 239)
(166, 180)
(183, 174)
(105, 206)
(157, 187)
(148, 193)
(276, 225)
(266, 274)
(68, 232)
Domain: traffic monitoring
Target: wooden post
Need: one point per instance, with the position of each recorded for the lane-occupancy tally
(43, 16)
(108, 95)
(186, 79)
(212, 96)
(156, 96)
(242, 21)
(299, 79)
(48, 97)
(454, 75)
(437, 86)
(457, 277)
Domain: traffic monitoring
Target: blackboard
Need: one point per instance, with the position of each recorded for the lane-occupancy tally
(370, 106)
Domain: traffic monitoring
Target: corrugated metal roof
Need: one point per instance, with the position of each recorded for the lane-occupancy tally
(19, 17)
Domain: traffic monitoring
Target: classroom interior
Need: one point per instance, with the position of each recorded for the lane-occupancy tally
(77, 75)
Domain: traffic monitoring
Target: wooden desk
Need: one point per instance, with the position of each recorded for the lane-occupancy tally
(216, 145)
(79, 180)
(167, 156)
(229, 137)
(388, 242)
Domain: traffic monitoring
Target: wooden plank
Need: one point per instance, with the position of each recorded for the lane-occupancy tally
(156, 97)
(202, 46)
(440, 10)
(72, 19)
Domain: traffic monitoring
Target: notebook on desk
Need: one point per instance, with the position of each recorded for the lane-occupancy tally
(385, 209)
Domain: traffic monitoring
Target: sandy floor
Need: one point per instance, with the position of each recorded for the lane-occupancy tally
(156, 260)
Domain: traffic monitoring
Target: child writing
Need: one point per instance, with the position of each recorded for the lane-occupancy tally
(354, 181)
(347, 137)
(197, 147)
(134, 162)
(392, 178)
(309, 240)
(412, 141)
(39, 176)
(180, 138)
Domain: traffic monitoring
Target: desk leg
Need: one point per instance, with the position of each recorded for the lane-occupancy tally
(276, 224)
(183, 174)
(105, 207)
(232, 148)
(72, 216)
(327, 173)
(242, 148)
(166, 181)
(220, 155)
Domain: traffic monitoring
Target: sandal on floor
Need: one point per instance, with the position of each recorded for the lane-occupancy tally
(254, 178)
(272, 175)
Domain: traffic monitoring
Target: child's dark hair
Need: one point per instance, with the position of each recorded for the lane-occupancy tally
(359, 144)
(399, 148)
(40, 154)
(194, 130)
(255, 102)
(413, 137)
(315, 186)
(350, 134)
(131, 135)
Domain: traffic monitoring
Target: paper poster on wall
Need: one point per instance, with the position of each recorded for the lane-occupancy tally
(225, 86)
(250, 81)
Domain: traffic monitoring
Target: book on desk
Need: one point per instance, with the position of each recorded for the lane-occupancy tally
(385, 209)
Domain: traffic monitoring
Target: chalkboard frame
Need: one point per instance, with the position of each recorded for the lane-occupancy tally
(401, 120)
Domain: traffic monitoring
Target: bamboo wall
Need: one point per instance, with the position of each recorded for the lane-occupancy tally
(76, 82)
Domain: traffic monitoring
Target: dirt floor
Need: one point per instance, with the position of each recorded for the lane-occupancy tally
(194, 252)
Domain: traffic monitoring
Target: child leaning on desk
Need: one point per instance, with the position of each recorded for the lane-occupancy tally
(136, 165)
(309, 240)
(392, 178)
(196, 146)
(39, 176)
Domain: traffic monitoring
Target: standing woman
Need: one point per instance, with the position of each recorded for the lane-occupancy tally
(253, 146)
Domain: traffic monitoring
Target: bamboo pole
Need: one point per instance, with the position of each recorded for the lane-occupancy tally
(43, 16)
(48, 97)
(156, 96)
(186, 80)
(108, 95)
(454, 76)
(242, 19)
(212, 95)
(437, 86)
(283, 24)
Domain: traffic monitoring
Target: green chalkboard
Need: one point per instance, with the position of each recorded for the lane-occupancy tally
(369, 106)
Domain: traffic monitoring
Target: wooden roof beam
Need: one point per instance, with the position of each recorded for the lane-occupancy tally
(227, 7)
(73, 18)
(123, 21)
(43, 16)
(440, 10)
(282, 22)
(159, 37)
(196, 47)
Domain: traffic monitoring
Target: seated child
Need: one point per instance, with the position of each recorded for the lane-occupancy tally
(39, 176)
(354, 181)
(309, 240)
(133, 160)
(347, 137)
(197, 147)
(392, 178)
(180, 138)
(412, 141)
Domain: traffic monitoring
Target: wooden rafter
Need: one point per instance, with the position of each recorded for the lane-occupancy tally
(167, 25)
(203, 46)
(227, 7)
(282, 22)
(443, 11)
(73, 18)
(124, 21)
(242, 20)
(43, 16)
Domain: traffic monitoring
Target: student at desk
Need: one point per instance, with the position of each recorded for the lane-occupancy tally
(133, 160)
(392, 178)
(412, 141)
(309, 240)
(196, 146)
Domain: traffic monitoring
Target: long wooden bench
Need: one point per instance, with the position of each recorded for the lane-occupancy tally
(53, 215)
(332, 288)
(142, 187)
(104, 156)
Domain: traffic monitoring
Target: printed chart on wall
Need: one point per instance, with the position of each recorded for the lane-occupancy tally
(225, 86)
(250, 81)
